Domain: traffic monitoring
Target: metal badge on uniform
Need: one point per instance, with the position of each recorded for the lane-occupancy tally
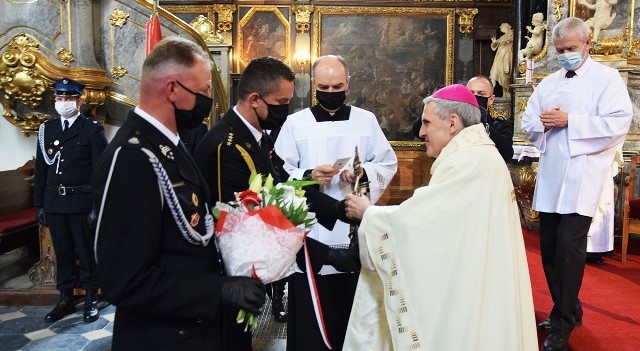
(247, 145)
(134, 141)
(194, 199)
(195, 219)
(49, 151)
(166, 151)
(56, 142)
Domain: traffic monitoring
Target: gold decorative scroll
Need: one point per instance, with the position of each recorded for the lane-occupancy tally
(118, 18)
(610, 45)
(465, 20)
(225, 17)
(205, 28)
(557, 5)
(65, 56)
(498, 114)
(303, 15)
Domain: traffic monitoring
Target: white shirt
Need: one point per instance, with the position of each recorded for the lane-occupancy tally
(575, 160)
(173, 137)
(71, 120)
(256, 133)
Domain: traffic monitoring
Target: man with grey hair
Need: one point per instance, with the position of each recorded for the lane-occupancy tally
(157, 258)
(577, 117)
(435, 280)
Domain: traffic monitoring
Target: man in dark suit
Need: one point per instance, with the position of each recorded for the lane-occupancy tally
(238, 144)
(68, 149)
(157, 258)
(500, 130)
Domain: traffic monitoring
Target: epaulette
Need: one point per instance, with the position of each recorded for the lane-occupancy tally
(135, 141)
(51, 120)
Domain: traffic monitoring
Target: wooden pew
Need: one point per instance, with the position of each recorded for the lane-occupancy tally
(18, 225)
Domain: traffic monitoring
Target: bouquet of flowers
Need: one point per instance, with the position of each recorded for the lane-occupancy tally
(261, 231)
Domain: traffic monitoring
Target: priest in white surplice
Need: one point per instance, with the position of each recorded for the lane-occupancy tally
(310, 143)
(447, 268)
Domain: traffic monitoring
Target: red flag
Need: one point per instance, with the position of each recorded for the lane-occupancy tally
(152, 34)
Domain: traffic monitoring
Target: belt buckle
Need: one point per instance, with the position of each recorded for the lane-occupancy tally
(62, 190)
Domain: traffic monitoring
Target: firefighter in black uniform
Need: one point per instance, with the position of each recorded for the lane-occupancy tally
(68, 148)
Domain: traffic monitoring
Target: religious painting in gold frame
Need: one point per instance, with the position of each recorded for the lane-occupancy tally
(263, 31)
(617, 21)
(396, 55)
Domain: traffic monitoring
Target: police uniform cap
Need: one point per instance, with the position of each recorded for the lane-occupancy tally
(68, 87)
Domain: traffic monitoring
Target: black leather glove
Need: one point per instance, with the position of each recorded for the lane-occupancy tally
(243, 292)
(344, 260)
(41, 216)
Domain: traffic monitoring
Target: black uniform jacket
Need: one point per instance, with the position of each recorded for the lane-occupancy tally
(501, 132)
(80, 147)
(166, 290)
(232, 152)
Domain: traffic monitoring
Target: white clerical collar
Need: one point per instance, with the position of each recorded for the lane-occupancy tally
(256, 133)
(175, 139)
(71, 120)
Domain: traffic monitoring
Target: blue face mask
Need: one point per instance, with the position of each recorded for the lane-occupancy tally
(570, 60)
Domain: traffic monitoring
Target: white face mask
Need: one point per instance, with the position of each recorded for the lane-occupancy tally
(66, 109)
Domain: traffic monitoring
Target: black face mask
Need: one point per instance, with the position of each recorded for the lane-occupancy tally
(189, 119)
(276, 116)
(483, 101)
(331, 101)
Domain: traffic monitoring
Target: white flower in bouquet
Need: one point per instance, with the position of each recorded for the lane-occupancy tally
(261, 231)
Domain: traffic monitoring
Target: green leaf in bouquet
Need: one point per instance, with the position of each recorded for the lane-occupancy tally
(298, 184)
(216, 212)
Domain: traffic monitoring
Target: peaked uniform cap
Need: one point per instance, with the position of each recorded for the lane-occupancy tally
(68, 87)
(457, 92)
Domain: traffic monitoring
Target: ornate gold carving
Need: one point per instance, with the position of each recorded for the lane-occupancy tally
(635, 45)
(118, 72)
(557, 5)
(465, 20)
(18, 78)
(65, 56)
(521, 106)
(205, 28)
(610, 45)
(524, 183)
(408, 144)
(43, 272)
(303, 14)
(225, 16)
(118, 18)
(498, 114)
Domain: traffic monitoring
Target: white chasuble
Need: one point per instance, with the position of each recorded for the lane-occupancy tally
(447, 268)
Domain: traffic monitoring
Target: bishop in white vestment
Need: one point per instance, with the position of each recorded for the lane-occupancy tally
(447, 268)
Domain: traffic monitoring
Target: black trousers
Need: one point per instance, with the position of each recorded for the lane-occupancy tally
(563, 247)
(336, 293)
(73, 240)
